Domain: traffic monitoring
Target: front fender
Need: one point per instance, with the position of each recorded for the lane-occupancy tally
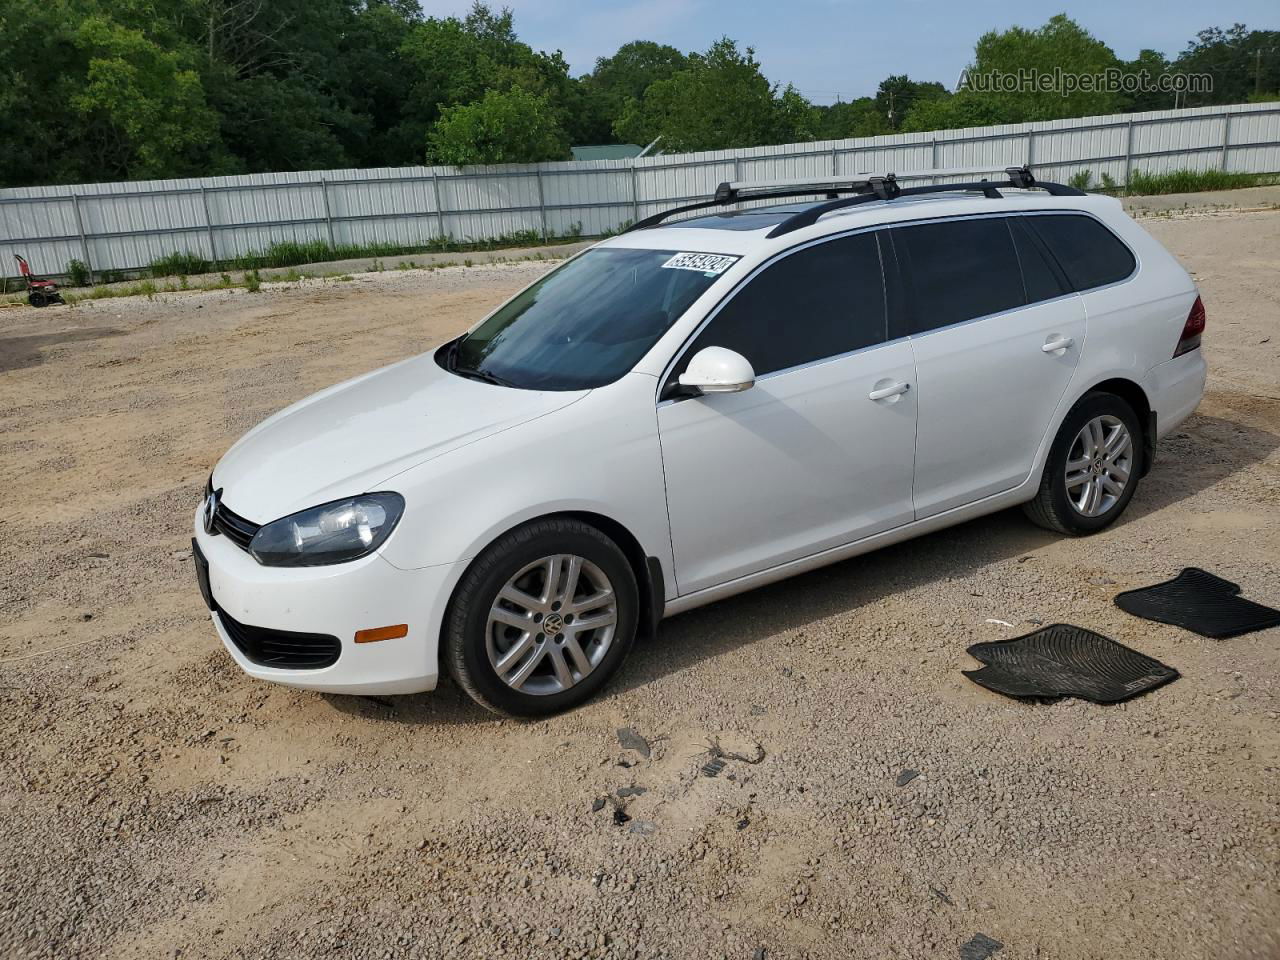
(600, 455)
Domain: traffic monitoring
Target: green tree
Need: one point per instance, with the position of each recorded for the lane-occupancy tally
(143, 107)
(1147, 67)
(277, 73)
(1061, 44)
(1241, 62)
(370, 79)
(897, 94)
(629, 73)
(40, 70)
(452, 61)
(99, 92)
(511, 127)
(857, 118)
(720, 100)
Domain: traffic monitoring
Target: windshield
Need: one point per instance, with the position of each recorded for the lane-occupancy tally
(587, 323)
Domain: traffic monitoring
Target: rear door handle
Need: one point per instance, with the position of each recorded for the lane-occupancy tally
(893, 390)
(1061, 343)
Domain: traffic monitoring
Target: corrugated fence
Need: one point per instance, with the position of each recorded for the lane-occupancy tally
(125, 226)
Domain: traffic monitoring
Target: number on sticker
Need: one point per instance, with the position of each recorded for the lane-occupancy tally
(713, 264)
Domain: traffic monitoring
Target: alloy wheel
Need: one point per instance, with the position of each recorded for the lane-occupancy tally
(1099, 465)
(551, 624)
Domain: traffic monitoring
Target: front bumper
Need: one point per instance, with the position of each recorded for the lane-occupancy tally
(336, 600)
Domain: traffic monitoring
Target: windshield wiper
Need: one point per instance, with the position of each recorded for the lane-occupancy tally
(484, 376)
(471, 373)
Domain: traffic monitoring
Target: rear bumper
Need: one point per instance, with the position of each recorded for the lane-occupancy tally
(336, 600)
(1175, 389)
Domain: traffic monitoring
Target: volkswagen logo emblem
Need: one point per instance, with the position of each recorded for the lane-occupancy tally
(210, 508)
(553, 624)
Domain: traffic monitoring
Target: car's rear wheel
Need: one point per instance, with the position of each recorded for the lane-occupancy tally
(542, 618)
(1093, 467)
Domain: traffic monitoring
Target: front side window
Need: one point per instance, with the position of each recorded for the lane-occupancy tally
(587, 323)
(816, 303)
(960, 270)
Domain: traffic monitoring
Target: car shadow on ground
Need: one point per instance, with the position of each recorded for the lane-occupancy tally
(1204, 452)
(1201, 453)
(19, 352)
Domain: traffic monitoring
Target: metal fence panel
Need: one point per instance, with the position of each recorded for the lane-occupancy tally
(126, 226)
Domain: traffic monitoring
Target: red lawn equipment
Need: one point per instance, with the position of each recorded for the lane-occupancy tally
(40, 293)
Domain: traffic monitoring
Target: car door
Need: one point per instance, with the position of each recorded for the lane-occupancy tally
(805, 459)
(996, 338)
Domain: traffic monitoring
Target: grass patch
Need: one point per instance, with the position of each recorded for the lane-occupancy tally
(1143, 184)
(143, 288)
(77, 273)
(179, 264)
(1187, 181)
(291, 253)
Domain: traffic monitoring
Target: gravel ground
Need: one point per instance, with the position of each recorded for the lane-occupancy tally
(158, 803)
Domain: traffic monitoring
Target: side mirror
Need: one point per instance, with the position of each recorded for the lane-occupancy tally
(717, 370)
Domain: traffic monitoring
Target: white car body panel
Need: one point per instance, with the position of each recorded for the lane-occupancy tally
(352, 438)
(336, 600)
(981, 384)
(722, 492)
(805, 454)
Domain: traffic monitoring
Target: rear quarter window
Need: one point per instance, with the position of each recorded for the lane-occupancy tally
(1090, 255)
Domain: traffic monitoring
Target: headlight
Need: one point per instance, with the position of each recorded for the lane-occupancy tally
(330, 533)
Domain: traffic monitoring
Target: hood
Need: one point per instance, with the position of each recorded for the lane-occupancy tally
(352, 437)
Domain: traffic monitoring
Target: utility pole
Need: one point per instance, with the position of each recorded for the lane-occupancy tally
(1257, 74)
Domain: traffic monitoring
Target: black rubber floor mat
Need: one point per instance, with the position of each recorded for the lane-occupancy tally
(981, 947)
(1066, 661)
(1198, 601)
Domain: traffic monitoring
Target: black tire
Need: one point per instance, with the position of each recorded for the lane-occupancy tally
(37, 299)
(1052, 508)
(464, 641)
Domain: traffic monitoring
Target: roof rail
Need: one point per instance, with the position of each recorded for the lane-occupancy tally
(1020, 178)
(729, 193)
(863, 187)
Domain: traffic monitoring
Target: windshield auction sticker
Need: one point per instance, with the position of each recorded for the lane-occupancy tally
(712, 264)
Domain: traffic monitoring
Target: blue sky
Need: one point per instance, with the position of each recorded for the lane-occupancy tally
(826, 47)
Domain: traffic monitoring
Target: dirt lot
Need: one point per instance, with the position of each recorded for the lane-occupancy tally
(158, 803)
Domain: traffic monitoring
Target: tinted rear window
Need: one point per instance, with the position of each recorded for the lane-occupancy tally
(1039, 277)
(959, 270)
(1089, 254)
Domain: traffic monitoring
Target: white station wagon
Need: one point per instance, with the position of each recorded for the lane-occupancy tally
(689, 410)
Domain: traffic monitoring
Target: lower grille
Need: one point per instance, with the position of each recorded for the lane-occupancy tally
(280, 648)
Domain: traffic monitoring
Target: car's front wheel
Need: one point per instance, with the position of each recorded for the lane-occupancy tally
(542, 618)
(1093, 467)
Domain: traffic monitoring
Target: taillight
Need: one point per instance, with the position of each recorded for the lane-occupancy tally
(1192, 329)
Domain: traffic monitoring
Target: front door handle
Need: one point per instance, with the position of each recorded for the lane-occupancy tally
(1057, 343)
(893, 390)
